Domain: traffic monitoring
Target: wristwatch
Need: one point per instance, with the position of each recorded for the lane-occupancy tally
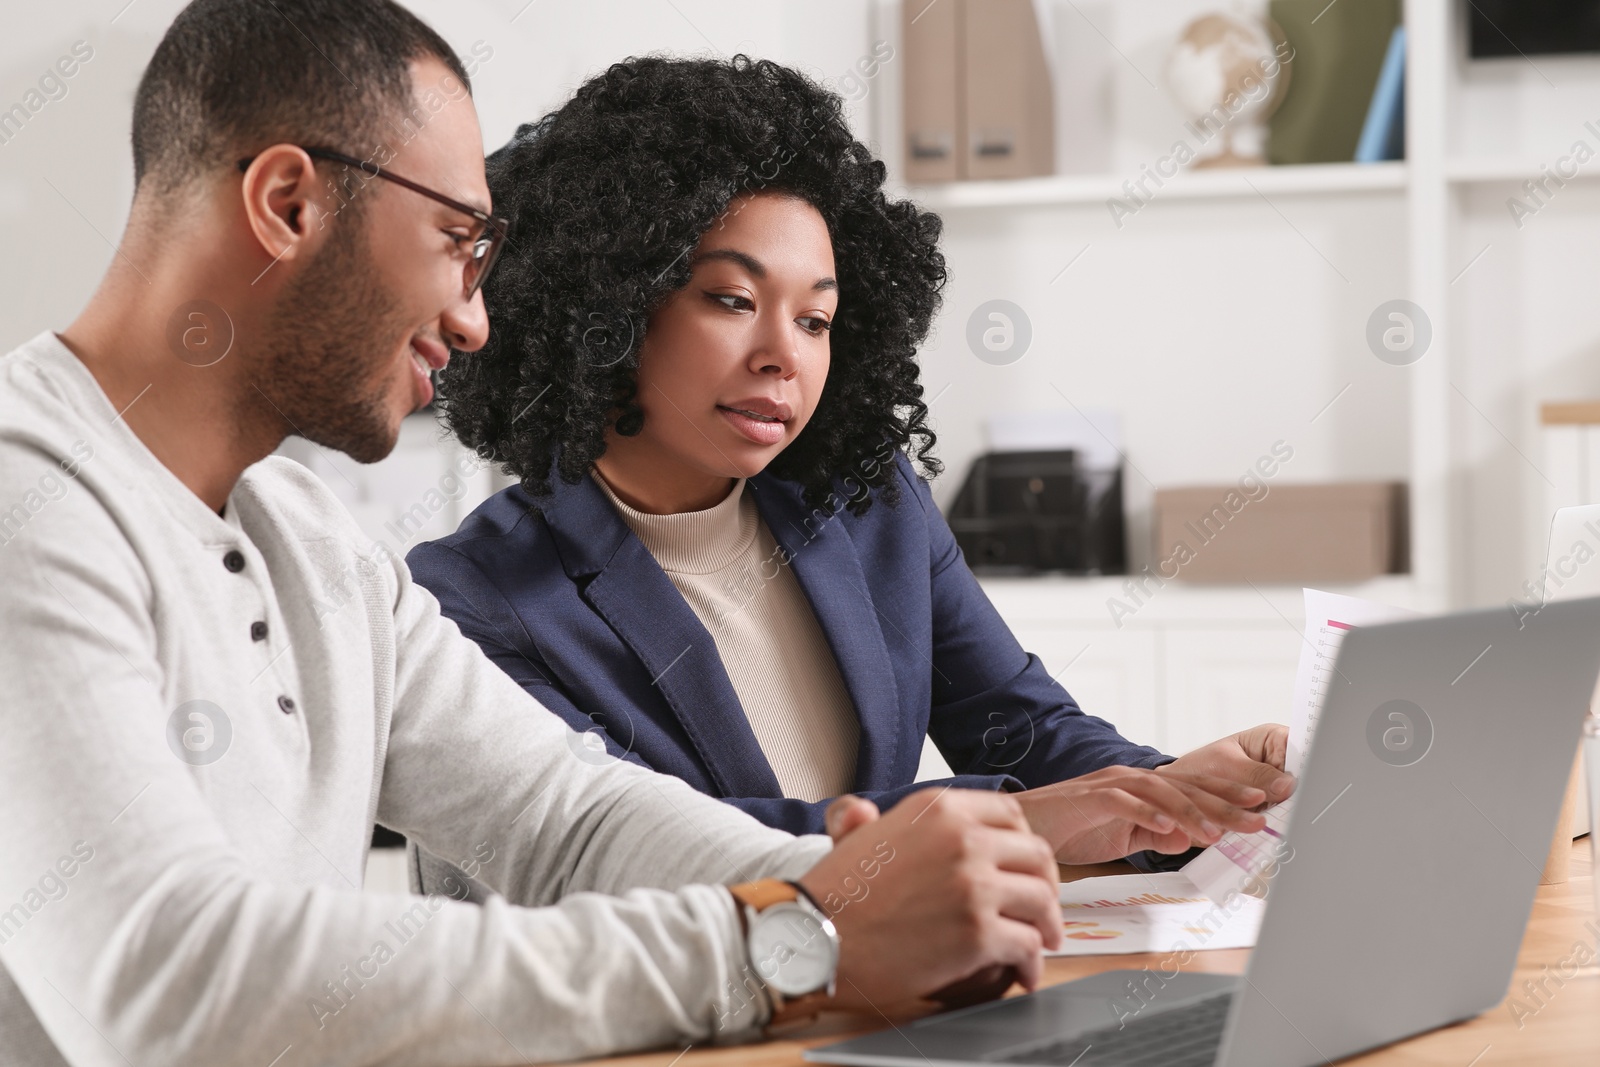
(791, 944)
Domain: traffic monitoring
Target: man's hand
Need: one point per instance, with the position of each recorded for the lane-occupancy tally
(950, 883)
(1109, 813)
(1254, 757)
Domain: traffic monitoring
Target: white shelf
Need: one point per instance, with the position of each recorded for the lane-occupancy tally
(1233, 182)
(1084, 602)
(1466, 171)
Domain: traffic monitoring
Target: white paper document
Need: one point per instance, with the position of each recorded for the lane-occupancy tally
(1150, 913)
(1244, 863)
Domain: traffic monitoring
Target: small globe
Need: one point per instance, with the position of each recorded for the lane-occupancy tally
(1226, 74)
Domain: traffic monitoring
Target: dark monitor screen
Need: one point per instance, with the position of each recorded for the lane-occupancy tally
(1533, 27)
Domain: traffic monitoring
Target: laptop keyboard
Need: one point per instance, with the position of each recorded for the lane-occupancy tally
(1180, 1037)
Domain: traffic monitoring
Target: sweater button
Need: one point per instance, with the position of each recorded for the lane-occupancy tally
(286, 705)
(234, 560)
(258, 631)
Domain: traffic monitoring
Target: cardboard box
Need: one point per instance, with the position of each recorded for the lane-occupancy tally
(1261, 532)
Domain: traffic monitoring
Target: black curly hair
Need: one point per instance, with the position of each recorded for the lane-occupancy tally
(606, 197)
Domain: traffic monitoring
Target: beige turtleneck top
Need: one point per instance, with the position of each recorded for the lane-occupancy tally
(726, 564)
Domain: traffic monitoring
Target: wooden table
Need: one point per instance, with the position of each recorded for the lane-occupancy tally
(1566, 1030)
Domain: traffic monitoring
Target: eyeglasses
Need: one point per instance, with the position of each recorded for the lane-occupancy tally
(485, 250)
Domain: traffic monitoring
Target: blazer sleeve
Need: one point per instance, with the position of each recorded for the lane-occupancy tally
(802, 817)
(476, 605)
(996, 709)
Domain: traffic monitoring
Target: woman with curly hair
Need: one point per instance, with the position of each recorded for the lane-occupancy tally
(720, 561)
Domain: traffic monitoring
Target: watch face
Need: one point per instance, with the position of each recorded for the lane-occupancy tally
(791, 951)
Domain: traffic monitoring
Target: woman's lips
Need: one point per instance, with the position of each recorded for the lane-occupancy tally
(756, 427)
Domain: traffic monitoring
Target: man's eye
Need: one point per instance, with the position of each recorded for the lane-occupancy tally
(458, 239)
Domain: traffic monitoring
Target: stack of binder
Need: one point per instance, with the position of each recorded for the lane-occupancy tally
(978, 101)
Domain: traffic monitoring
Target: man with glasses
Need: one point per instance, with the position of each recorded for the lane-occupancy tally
(485, 245)
(195, 749)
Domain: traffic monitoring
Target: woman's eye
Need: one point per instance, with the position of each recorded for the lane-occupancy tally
(814, 325)
(731, 301)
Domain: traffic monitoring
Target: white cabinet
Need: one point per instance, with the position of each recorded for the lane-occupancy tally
(1221, 681)
(1188, 665)
(1571, 432)
(1113, 674)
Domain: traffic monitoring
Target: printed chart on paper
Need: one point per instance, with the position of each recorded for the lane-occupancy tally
(1240, 863)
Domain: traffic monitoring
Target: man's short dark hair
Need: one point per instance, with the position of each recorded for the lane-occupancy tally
(232, 77)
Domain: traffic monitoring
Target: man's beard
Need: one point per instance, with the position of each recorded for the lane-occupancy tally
(331, 330)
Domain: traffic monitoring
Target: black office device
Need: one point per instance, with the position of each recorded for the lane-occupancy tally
(1031, 512)
(1532, 27)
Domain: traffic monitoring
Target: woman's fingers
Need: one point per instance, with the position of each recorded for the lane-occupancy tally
(1193, 802)
(1267, 743)
(1112, 803)
(1217, 813)
(1167, 806)
(1171, 844)
(1240, 794)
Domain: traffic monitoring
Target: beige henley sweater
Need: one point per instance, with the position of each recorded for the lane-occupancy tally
(203, 716)
(726, 564)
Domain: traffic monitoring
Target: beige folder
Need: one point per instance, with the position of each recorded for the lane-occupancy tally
(1009, 114)
(930, 33)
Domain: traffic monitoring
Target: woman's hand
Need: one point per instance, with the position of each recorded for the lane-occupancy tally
(1251, 757)
(1115, 811)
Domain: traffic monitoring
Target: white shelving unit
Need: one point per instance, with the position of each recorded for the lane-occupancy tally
(1195, 661)
(1328, 178)
(1423, 183)
(1429, 41)
(1473, 170)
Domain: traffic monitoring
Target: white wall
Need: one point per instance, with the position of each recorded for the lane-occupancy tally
(1215, 327)
(1528, 328)
(67, 178)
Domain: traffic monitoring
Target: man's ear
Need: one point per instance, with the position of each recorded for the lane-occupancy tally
(283, 203)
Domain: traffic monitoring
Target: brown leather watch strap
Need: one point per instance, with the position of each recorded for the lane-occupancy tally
(759, 896)
(764, 894)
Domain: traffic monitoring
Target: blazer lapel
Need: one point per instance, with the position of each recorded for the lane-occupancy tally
(635, 596)
(824, 561)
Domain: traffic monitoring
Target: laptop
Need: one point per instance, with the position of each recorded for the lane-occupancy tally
(1402, 905)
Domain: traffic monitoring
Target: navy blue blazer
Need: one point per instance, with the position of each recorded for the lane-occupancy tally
(572, 605)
